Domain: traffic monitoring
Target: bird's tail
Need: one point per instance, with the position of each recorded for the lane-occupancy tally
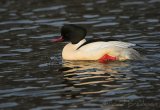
(131, 54)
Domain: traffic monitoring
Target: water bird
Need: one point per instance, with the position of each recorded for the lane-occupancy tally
(101, 50)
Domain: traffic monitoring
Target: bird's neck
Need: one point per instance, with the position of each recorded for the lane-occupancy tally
(80, 43)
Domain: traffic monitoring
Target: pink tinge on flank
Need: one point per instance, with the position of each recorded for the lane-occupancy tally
(106, 58)
(59, 39)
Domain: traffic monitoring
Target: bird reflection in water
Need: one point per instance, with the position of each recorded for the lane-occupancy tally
(93, 77)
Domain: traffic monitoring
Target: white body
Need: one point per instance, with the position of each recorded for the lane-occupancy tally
(95, 50)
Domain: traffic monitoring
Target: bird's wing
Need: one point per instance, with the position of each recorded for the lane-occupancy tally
(102, 45)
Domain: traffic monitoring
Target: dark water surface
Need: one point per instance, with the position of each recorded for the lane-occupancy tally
(34, 77)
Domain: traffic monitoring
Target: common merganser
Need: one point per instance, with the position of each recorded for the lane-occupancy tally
(81, 49)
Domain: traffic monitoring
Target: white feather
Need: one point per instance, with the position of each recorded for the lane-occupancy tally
(101, 45)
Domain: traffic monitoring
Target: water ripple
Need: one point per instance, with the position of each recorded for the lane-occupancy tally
(106, 24)
(132, 3)
(26, 50)
(16, 22)
(8, 105)
(49, 8)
